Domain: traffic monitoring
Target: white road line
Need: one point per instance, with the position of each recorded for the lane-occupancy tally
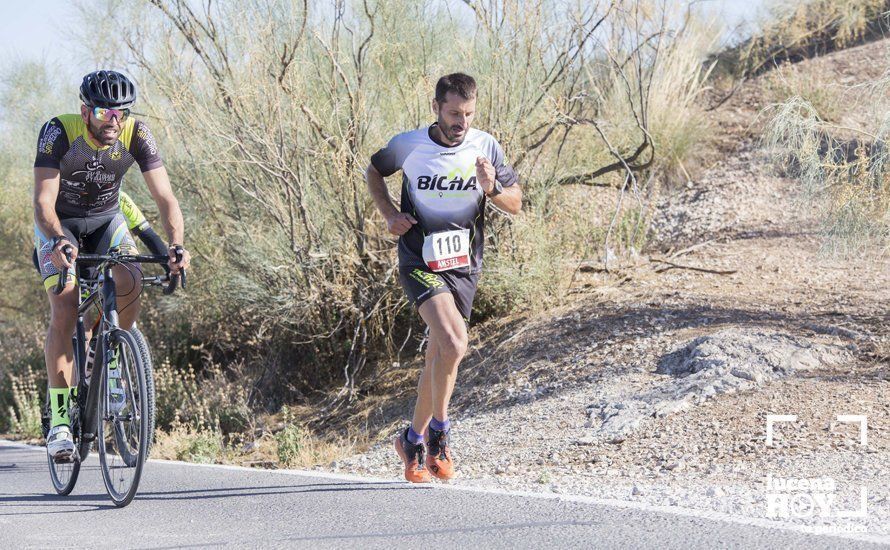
(581, 499)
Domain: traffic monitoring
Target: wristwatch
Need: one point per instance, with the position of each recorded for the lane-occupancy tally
(496, 190)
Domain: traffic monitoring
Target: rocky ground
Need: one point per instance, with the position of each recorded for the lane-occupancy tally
(655, 384)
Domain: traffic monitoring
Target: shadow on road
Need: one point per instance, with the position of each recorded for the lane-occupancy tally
(400, 534)
(229, 492)
(85, 502)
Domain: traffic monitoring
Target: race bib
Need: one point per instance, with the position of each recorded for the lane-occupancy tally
(447, 249)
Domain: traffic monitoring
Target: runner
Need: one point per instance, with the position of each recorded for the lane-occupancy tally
(448, 171)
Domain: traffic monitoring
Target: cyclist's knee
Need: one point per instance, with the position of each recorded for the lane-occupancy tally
(65, 302)
(63, 314)
(126, 278)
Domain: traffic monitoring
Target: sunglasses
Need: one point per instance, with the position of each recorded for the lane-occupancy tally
(105, 115)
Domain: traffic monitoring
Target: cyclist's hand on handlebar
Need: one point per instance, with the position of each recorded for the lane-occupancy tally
(59, 257)
(179, 258)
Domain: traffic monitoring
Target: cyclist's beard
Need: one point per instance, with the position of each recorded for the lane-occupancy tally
(452, 133)
(104, 134)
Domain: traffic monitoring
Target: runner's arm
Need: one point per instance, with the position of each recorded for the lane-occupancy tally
(377, 188)
(397, 222)
(509, 200)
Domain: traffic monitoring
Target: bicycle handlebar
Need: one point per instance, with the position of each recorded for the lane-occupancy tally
(130, 258)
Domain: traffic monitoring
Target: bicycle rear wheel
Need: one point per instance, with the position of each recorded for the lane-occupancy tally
(63, 474)
(123, 420)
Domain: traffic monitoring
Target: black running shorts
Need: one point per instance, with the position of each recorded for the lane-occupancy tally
(421, 284)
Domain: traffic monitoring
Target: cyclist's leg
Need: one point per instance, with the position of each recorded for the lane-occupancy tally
(127, 278)
(63, 314)
(58, 350)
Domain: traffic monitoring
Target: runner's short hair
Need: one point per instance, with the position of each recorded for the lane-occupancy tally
(461, 84)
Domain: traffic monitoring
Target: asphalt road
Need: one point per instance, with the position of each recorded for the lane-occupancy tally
(185, 505)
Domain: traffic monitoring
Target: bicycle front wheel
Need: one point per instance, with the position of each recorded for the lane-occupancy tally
(123, 433)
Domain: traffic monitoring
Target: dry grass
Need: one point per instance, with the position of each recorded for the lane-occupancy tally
(801, 29)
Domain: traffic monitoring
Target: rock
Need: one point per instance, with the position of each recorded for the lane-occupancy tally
(727, 361)
(636, 491)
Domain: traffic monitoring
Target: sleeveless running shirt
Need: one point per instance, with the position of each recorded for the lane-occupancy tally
(91, 176)
(439, 187)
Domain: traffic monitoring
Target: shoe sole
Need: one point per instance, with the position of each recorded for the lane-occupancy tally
(64, 457)
(401, 452)
(436, 471)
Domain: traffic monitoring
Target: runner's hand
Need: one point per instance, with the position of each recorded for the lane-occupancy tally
(59, 259)
(400, 223)
(184, 261)
(485, 174)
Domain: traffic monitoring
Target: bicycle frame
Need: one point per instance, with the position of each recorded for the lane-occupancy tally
(89, 403)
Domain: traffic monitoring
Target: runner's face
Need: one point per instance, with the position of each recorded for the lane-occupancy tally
(105, 133)
(455, 115)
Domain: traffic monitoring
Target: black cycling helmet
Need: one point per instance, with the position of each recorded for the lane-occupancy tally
(109, 89)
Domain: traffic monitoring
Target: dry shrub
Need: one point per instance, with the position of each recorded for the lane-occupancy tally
(205, 401)
(189, 444)
(819, 89)
(279, 110)
(846, 182)
(802, 29)
(278, 106)
(24, 415)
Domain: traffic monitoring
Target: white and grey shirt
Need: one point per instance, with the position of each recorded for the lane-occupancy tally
(439, 187)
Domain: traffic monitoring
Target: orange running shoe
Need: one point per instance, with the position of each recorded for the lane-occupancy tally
(438, 458)
(412, 457)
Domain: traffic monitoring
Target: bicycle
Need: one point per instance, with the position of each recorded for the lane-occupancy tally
(114, 404)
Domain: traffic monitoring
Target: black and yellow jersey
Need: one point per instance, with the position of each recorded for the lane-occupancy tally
(91, 175)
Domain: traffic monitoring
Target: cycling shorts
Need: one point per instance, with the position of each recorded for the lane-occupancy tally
(98, 234)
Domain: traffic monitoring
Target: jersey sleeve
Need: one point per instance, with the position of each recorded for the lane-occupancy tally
(504, 173)
(389, 160)
(144, 148)
(51, 145)
(134, 216)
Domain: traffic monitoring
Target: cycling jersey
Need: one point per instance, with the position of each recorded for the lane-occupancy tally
(439, 188)
(91, 175)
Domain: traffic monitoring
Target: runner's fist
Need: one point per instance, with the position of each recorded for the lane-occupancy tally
(400, 223)
(485, 174)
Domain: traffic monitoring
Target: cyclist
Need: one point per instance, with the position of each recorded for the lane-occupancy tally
(449, 170)
(80, 163)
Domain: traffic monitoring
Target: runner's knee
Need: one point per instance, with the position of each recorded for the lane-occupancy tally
(452, 345)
